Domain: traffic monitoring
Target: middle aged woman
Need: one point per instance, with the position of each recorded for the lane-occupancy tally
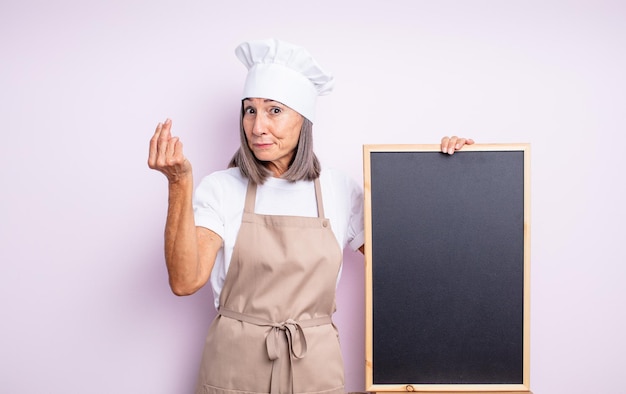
(268, 233)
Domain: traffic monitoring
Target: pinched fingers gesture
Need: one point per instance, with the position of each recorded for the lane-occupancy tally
(450, 145)
(166, 154)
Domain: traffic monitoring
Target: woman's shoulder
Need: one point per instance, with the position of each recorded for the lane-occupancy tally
(222, 183)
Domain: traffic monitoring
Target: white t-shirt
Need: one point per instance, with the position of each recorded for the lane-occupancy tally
(219, 202)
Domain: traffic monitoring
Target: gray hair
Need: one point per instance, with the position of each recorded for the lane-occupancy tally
(304, 166)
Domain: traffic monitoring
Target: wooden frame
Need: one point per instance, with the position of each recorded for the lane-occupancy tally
(480, 154)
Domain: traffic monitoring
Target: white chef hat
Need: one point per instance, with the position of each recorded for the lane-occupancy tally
(284, 72)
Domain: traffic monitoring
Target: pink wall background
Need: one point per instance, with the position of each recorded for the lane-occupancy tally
(85, 305)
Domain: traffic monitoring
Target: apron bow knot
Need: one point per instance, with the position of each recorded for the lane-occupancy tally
(293, 333)
(290, 329)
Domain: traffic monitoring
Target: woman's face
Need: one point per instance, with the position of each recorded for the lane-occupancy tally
(273, 131)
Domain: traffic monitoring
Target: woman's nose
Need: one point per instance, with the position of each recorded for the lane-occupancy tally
(259, 127)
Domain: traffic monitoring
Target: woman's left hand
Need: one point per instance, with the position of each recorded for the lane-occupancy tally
(450, 145)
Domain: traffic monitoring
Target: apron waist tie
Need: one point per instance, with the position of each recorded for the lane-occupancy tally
(293, 334)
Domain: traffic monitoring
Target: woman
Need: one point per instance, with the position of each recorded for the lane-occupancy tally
(264, 236)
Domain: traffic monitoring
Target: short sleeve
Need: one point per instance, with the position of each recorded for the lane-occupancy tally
(208, 205)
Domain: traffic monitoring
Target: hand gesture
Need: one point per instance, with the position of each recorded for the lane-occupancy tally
(166, 154)
(450, 145)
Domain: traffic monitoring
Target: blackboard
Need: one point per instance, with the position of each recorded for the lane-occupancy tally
(447, 266)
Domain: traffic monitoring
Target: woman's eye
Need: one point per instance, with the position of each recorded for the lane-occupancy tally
(276, 110)
(249, 110)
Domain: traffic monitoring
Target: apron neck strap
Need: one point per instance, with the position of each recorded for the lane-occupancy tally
(318, 197)
(250, 197)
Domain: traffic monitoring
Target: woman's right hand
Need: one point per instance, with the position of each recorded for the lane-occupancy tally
(166, 154)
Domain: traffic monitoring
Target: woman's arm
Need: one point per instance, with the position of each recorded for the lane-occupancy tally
(189, 250)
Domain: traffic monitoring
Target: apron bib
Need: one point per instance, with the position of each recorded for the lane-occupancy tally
(274, 333)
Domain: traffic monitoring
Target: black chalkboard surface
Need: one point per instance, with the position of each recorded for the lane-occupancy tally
(447, 254)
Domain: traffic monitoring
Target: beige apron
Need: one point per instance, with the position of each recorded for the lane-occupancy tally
(274, 333)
